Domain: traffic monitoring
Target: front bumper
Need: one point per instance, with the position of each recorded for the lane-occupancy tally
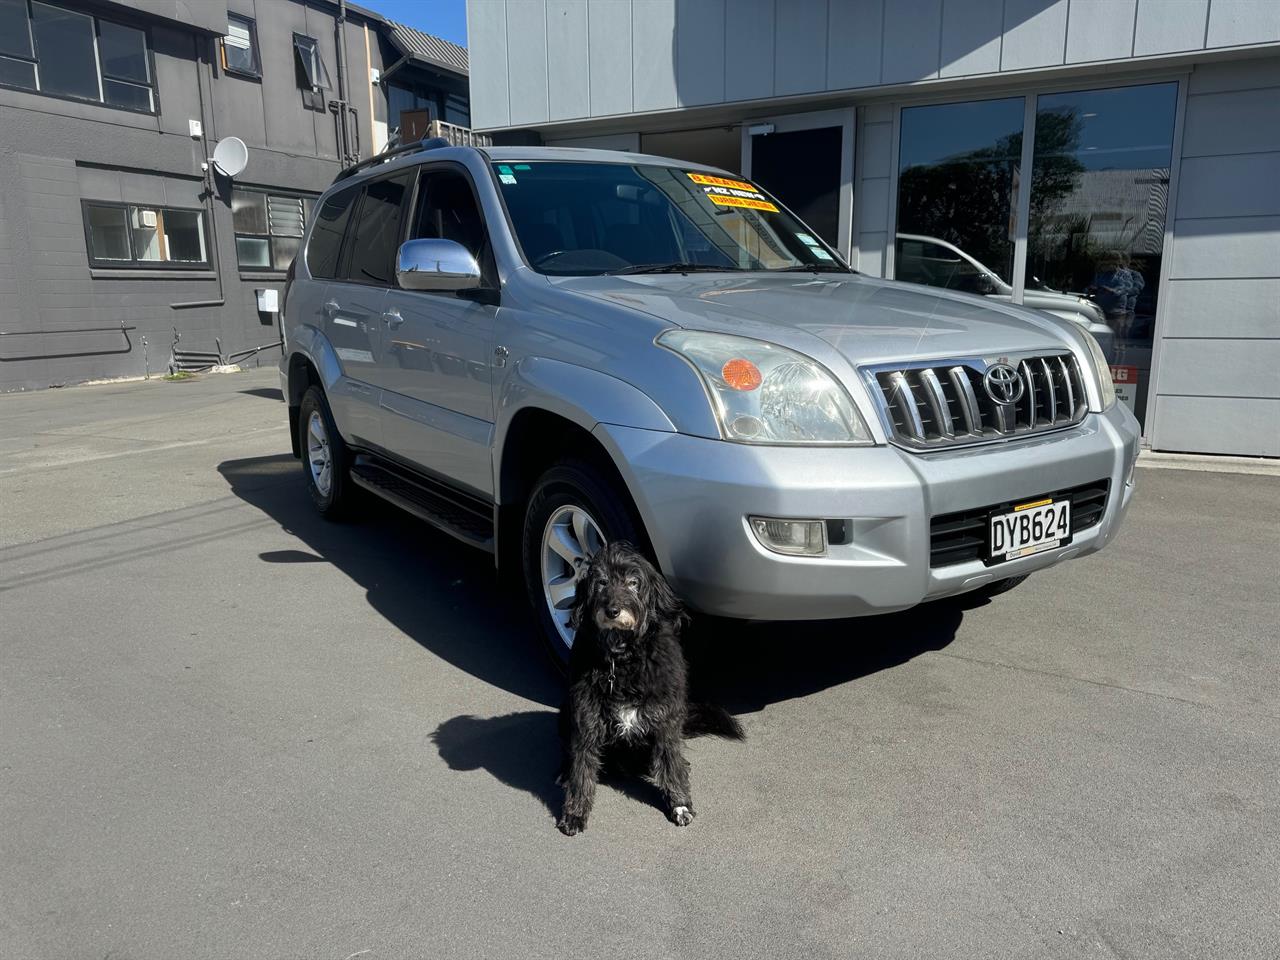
(694, 496)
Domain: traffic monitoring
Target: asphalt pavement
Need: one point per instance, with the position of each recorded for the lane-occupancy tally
(229, 729)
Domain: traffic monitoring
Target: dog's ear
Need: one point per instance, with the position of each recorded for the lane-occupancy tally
(665, 605)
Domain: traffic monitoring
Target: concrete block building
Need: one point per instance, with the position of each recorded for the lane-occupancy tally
(114, 224)
(1126, 152)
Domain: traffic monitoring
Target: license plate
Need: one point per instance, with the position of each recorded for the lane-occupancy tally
(1029, 528)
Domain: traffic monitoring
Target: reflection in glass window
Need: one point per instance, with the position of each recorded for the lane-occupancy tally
(67, 62)
(957, 193)
(240, 46)
(127, 234)
(378, 231)
(268, 228)
(108, 233)
(53, 50)
(1099, 191)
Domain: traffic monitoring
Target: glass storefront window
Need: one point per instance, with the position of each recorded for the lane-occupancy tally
(957, 194)
(1099, 191)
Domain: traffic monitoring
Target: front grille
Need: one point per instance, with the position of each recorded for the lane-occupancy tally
(936, 404)
(961, 537)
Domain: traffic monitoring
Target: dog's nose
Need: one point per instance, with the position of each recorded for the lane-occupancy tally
(612, 612)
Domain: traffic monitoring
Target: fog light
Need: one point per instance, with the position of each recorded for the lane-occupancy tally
(798, 538)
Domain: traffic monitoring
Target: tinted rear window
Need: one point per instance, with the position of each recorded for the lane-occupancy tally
(377, 231)
(326, 235)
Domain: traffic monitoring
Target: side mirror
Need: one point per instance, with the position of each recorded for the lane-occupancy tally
(984, 284)
(436, 265)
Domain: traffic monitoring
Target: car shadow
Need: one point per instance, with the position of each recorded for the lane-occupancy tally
(447, 598)
(266, 393)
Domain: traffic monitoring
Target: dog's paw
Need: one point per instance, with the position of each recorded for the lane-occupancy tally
(570, 824)
(682, 816)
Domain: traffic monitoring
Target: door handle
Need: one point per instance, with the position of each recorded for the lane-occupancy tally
(393, 319)
(330, 308)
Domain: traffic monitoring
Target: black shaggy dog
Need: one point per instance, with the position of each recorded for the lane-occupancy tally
(628, 687)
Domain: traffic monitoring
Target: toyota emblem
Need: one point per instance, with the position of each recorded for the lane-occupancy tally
(1003, 384)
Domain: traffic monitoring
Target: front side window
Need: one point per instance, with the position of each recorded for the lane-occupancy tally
(130, 235)
(598, 218)
(240, 47)
(50, 49)
(377, 231)
(447, 211)
(268, 228)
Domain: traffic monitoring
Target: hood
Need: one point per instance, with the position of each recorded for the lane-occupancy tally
(864, 319)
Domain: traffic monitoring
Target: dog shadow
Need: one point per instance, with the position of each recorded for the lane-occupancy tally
(522, 751)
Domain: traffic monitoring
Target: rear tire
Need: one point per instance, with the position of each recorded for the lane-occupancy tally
(572, 502)
(325, 458)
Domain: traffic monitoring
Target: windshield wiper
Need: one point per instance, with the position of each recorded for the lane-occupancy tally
(677, 267)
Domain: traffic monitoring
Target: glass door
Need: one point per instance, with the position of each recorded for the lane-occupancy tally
(806, 161)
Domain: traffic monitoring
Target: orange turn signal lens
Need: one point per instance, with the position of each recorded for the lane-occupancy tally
(741, 374)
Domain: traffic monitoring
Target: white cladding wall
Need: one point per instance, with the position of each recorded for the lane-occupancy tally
(529, 65)
(1218, 386)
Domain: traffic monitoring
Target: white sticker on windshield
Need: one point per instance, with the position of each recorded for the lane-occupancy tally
(820, 253)
(806, 239)
(506, 178)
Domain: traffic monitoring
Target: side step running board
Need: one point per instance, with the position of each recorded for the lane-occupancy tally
(458, 514)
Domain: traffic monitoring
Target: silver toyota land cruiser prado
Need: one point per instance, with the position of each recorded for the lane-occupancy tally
(539, 350)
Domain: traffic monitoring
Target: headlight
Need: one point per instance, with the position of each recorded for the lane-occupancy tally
(763, 393)
(1101, 371)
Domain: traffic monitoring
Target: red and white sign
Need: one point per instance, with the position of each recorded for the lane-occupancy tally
(1126, 381)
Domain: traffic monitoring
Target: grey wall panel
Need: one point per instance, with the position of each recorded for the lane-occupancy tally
(1230, 247)
(1100, 30)
(98, 184)
(289, 128)
(1242, 427)
(700, 51)
(1244, 185)
(1241, 122)
(871, 260)
(971, 31)
(1034, 34)
(1222, 308)
(1169, 26)
(568, 94)
(1235, 22)
(202, 14)
(1235, 75)
(1221, 368)
(487, 35)
(609, 52)
(142, 188)
(912, 36)
(874, 208)
(801, 62)
(854, 29)
(653, 64)
(875, 143)
(527, 60)
(616, 141)
(175, 79)
(748, 49)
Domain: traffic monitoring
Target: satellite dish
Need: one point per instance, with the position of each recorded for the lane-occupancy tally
(230, 156)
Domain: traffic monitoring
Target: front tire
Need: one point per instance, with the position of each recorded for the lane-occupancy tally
(325, 458)
(574, 510)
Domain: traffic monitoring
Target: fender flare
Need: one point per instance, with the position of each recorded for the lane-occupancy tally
(580, 395)
(312, 345)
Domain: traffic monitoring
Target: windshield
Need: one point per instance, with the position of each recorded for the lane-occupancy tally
(586, 219)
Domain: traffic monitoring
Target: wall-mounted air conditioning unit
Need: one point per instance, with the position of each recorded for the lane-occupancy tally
(144, 218)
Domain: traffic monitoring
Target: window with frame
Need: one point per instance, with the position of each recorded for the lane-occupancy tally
(311, 72)
(46, 48)
(268, 228)
(134, 235)
(240, 47)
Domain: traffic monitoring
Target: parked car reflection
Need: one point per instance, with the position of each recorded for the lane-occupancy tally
(937, 263)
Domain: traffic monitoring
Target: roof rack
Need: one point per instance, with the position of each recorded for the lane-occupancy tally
(438, 135)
